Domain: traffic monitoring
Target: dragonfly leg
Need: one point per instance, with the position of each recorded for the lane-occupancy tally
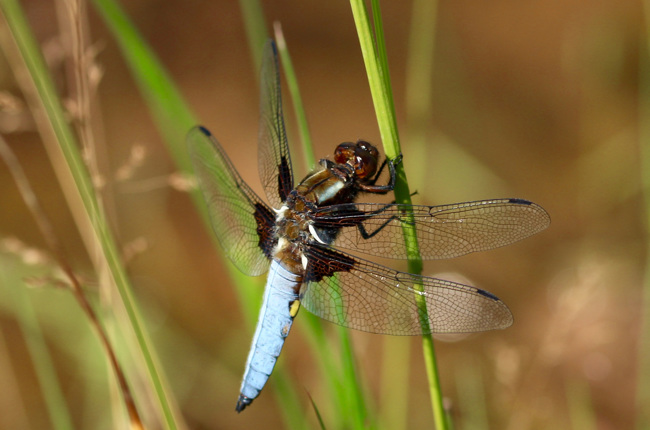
(383, 189)
(368, 235)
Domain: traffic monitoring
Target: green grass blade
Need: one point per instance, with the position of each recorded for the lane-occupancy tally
(11, 274)
(172, 115)
(255, 25)
(289, 399)
(355, 400)
(419, 70)
(384, 75)
(380, 96)
(321, 423)
(373, 49)
(395, 387)
(472, 403)
(344, 389)
(174, 118)
(296, 99)
(76, 183)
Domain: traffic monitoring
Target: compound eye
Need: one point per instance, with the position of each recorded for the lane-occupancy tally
(361, 168)
(344, 153)
(366, 159)
(368, 147)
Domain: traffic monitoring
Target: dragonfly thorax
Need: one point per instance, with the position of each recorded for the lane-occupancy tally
(292, 232)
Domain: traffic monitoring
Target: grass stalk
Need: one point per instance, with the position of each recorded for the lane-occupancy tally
(345, 391)
(419, 72)
(296, 99)
(395, 387)
(256, 33)
(47, 231)
(472, 402)
(419, 69)
(355, 400)
(374, 54)
(174, 118)
(71, 171)
(23, 308)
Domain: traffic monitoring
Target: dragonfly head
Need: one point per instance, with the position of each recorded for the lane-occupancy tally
(362, 156)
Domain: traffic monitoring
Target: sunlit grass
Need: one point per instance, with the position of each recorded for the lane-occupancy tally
(18, 301)
(375, 59)
(75, 180)
(174, 119)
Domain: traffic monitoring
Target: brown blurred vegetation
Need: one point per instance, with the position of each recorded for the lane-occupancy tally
(535, 100)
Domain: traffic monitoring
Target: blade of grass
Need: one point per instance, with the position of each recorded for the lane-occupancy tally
(472, 404)
(355, 400)
(256, 32)
(394, 393)
(77, 185)
(374, 55)
(317, 412)
(174, 118)
(419, 72)
(172, 115)
(345, 390)
(10, 279)
(47, 231)
(296, 99)
(418, 110)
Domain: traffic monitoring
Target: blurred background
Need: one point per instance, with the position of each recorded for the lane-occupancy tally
(534, 100)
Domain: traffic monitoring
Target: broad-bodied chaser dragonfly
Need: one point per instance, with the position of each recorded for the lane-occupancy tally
(293, 239)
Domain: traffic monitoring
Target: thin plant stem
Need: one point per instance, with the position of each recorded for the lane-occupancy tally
(62, 147)
(374, 54)
(174, 118)
(294, 90)
(47, 231)
(46, 375)
(419, 68)
(472, 402)
(346, 393)
(256, 33)
(419, 72)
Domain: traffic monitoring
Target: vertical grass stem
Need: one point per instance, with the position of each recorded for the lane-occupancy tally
(375, 59)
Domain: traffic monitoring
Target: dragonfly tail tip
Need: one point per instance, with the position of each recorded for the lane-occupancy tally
(242, 402)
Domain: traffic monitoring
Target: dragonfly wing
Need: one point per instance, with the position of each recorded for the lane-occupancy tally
(442, 231)
(373, 298)
(274, 161)
(241, 220)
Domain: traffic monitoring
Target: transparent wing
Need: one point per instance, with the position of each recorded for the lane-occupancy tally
(442, 231)
(240, 219)
(373, 298)
(274, 161)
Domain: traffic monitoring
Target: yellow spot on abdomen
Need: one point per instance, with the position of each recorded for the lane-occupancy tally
(293, 308)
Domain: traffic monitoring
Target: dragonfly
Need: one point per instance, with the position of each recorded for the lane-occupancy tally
(298, 238)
